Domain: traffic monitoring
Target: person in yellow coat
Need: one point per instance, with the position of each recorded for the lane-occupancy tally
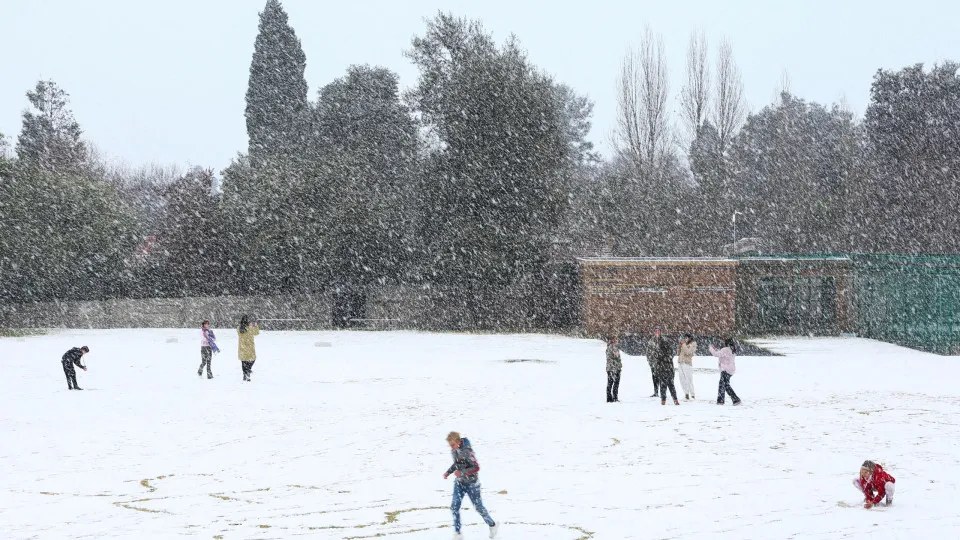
(247, 350)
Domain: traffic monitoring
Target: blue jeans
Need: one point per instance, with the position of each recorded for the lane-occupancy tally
(472, 491)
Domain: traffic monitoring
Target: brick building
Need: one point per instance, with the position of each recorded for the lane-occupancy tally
(717, 296)
(631, 295)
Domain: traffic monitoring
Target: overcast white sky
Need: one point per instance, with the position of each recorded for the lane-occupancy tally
(164, 80)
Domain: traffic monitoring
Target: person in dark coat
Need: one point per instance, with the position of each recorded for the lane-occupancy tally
(652, 353)
(71, 358)
(614, 365)
(660, 357)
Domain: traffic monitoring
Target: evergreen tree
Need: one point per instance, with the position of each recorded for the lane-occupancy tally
(791, 163)
(277, 107)
(497, 187)
(50, 138)
(66, 237)
(359, 202)
(913, 129)
(6, 162)
(189, 240)
(64, 234)
(277, 116)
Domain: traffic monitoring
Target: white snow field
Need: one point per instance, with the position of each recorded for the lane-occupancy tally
(346, 441)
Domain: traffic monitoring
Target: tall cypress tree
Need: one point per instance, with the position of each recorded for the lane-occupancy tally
(277, 107)
(277, 113)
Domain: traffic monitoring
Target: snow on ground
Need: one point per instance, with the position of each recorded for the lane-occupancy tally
(347, 440)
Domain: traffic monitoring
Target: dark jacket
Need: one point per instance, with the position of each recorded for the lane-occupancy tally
(465, 464)
(73, 356)
(660, 356)
(613, 358)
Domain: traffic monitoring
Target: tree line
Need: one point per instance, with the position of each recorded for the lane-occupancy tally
(478, 178)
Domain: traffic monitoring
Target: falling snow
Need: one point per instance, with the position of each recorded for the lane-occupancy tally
(463, 201)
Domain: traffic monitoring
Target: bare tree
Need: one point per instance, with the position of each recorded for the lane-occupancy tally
(695, 96)
(643, 135)
(783, 87)
(843, 105)
(729, 109)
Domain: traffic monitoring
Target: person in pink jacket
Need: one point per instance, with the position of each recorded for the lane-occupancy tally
(728, 367)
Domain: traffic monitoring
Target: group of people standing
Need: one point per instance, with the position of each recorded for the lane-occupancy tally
(246, 347)
(659, 354)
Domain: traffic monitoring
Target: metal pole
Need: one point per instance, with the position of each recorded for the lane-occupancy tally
(733, 248)
(734, 232)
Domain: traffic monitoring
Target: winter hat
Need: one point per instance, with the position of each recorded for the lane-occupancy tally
(868, 465)
(85, 348)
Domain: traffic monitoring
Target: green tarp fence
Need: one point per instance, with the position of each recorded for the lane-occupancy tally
(909, 300)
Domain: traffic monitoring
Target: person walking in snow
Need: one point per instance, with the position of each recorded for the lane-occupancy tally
(614, 365)
(660, 355)
(466, 468)
(72, 358)
(727, 361)
(875, 484)
(246, 349)
(208, 346)
(685, 353)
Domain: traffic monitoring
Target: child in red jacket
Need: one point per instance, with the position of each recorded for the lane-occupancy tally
(875, 484)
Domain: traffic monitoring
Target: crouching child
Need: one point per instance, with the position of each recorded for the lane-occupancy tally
(876, 485)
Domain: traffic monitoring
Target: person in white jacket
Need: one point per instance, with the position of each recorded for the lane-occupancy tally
(728, 367)
(685, 353)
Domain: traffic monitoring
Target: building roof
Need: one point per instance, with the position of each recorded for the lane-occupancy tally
(711, 260)
(788, 258)
(613, 261)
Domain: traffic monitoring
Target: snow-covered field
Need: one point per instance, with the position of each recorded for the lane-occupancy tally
(347, 440)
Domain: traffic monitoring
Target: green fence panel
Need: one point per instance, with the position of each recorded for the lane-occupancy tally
(908, 300)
